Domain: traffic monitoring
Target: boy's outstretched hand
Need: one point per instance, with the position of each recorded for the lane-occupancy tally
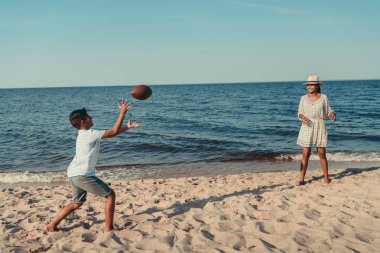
(124, 106)
(133, 124)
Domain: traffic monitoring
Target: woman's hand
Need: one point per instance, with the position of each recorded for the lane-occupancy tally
(332, 116)
(304, 119)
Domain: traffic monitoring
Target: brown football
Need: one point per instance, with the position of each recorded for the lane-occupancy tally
(141, 92)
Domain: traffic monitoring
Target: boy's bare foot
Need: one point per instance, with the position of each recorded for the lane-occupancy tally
(110, 229)
(49, 228)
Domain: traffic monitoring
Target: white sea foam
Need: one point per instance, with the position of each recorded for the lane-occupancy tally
(32, 177)
(116, 174)
(337, 157)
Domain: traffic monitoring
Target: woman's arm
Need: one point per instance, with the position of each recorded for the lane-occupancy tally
(301, 115)
(330, 112)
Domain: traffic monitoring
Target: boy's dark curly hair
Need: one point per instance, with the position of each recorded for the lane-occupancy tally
(76, 117)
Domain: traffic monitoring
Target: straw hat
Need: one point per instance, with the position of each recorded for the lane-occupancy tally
(313, 79)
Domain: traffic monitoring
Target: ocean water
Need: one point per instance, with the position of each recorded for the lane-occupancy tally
(188, 130)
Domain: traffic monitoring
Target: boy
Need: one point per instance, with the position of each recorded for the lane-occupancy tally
(81, 171)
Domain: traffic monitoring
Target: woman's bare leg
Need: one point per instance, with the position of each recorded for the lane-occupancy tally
(304, 162)
(324, 163)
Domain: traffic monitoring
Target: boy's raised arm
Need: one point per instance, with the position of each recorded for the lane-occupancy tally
(123, 107)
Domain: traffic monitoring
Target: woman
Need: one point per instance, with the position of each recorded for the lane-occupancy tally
(313, 109)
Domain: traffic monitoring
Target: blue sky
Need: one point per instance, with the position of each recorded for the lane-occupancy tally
(47, 43)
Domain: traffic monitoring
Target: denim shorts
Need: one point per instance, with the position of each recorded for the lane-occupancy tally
(83, 184)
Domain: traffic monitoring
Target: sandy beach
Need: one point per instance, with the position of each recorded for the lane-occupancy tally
(258, 212)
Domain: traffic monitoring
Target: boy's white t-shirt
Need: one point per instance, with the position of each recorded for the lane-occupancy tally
(86, 153)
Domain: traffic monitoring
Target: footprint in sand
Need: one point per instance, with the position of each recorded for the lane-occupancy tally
(208, 235)
(9, 215)
(110, 241)
(53, 237)
(365, 237)
(303, 238)
(344, 219)
(284, 205)
(375, 214)
(185, 239)
(367, 223)
(224, 217)
(312, 214)
(21, 195)
(228, 239)
(88, 237)
(288, 218)
(228, 226)
(12, 229)
(204, 218)
(153, 244)
(187, 227)
(279, 228)
(334, 234)
(263, 246)
(32, 201)
(342, 229)
(33, 219)
(265, 228)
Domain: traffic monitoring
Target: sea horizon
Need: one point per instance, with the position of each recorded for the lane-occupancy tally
(180, 83)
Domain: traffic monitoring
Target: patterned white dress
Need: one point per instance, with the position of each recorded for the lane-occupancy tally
(314, 133)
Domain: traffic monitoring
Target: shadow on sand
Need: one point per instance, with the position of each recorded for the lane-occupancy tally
(180, 208)
(345, 173)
